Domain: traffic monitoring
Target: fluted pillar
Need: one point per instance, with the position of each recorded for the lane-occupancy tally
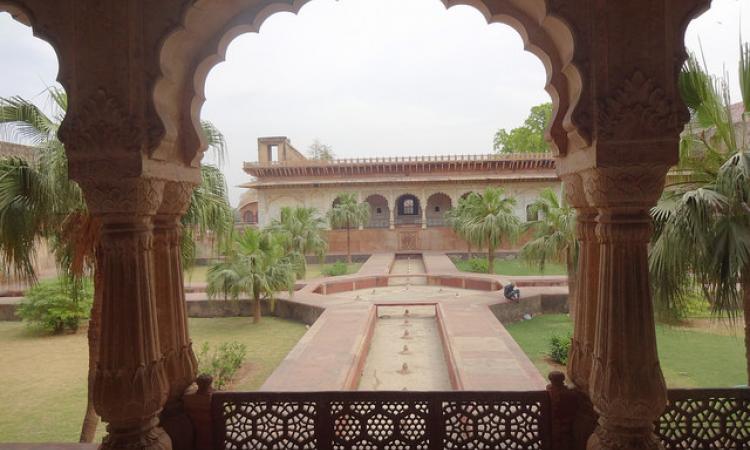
(584, 289)
(180, 363)
(179, 359)
(626, 384)
(130, 385)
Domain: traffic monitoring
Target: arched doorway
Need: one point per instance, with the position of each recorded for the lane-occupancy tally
(380, 213)
(437, 205)
(408, 210)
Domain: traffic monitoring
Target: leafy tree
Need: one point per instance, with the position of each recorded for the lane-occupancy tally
(702, 222)
(528, 138)
(301, 231)
(347, 213)
(39, 202)
(554, 236)
(321, 151)
(487, 219)
(257, 267)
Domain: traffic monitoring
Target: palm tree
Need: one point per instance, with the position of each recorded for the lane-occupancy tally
(554, 235)
(454, 218)
(301, 231)
(348, 213)
(487, 219)
(702, 223)
(256, 267)
(39, 202)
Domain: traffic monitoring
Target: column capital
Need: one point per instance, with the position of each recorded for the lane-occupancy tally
(625, 188)
(125, 198)
(176, 198)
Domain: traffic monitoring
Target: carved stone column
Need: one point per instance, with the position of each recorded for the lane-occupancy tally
(626, 383)
(130, 386)
(584, 292)
(392, 217)
(179, 360)
(423, 207)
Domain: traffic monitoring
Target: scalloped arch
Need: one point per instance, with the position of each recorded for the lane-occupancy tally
(21, 13)
(206, 29)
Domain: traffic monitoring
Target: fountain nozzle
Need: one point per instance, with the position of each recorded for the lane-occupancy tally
(404, 369)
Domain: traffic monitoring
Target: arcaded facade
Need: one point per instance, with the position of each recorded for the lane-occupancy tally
(408, 196)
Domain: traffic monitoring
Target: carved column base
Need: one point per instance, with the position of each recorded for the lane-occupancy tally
(146, 437)
(612, 437)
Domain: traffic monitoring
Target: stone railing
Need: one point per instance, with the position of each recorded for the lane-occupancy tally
(559, 418)
(405, 159)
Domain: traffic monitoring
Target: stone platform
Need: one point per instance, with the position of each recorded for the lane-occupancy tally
(480, 353)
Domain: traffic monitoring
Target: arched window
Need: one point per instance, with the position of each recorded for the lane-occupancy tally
(248, 217)
(409, 207)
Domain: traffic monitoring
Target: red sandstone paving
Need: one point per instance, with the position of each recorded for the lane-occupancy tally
(435, 262)
(322, 359)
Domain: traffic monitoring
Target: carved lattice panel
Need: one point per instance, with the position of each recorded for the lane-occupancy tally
(381, 420)
(508, 424)
(255, 425)
(706, 419)
(380, 425)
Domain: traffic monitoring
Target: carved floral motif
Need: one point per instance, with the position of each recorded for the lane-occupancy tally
(639, 110)
(637, 186)
(136, 196)
(101, 125)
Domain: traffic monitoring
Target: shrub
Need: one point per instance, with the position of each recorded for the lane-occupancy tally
(559, 347)
(335, 269)
(479, 265)
(222, 363)
(57, 305)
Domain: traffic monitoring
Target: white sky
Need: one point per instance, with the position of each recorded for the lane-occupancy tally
(370, 77)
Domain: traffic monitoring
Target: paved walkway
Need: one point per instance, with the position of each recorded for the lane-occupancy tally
(377, 264)
(482, 354)
(436, 262)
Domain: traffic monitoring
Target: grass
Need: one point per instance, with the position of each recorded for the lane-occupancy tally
(689, 358)
(513, 267)
(197, 274)
(44, 377)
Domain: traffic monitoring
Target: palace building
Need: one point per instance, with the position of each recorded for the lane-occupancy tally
(408, 196)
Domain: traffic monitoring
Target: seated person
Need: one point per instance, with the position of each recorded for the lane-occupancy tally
(511, 293)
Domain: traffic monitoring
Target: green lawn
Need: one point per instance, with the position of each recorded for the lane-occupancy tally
(512, 267)
(44, 377)
(689, 358)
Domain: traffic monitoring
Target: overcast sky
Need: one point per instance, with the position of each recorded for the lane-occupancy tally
(370, 77)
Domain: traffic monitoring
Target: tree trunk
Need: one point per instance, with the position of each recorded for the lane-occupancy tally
(490, 259)
(469, 245)
(745, 285)
(256, 310)
(348, 244)
(91, 418)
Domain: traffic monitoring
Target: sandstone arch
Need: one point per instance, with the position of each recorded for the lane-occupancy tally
(206, 29)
